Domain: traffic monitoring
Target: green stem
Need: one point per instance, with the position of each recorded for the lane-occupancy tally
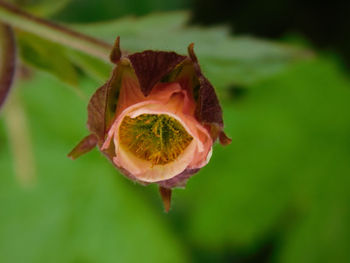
(11, 15)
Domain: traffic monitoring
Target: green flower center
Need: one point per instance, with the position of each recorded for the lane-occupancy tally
(159, 139)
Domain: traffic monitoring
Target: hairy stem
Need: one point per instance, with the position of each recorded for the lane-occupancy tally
(20, 19)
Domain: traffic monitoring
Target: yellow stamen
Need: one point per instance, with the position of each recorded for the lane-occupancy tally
(157, 138)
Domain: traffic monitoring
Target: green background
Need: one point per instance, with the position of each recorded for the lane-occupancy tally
(278, 193)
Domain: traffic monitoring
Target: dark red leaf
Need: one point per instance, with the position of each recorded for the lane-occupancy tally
(224, 139)
(165, 193)
(208, 109)
(86, 145)
(179, 180)
(151, 66)
(7, 60)
(103, 104)
(97, 112)
(116, 52)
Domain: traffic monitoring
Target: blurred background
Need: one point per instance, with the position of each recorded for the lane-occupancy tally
(279, 193)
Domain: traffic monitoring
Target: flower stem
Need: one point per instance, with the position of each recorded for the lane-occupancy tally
(22, 20)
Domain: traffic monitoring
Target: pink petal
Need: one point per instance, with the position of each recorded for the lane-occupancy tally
(167, 99)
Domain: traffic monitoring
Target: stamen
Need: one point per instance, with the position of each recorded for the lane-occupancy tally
(157, 138)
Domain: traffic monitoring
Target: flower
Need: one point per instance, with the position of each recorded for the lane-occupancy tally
(156, 118)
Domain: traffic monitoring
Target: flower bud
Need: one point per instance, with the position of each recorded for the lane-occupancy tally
(156, 118)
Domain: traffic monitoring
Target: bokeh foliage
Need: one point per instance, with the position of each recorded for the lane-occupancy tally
(219, 52)
(278, 193)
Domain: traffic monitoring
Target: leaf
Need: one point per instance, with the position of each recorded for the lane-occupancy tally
(225, 60)
(238, 197)
(322, 234)
(209, 110)
(91, 66)
(61, 61)
(99, 10)
(87, 144)
(151, 66)
(321, 183)
(285, 176)
(165, 193)
(47, 56)
(81, 211)
(41, 7)
(7, 61)
(97, 112)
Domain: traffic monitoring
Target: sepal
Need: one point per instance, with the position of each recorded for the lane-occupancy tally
(84, 146)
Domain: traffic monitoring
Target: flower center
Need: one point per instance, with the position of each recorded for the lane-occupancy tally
(157, 138)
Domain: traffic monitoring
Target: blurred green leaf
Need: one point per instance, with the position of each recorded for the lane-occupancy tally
(79, 211)
(41, 7)
(225, 59)
(285, 175)
(47, 56)
(60, 61)
(97, 10)
(91, 66)
(283, 181)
